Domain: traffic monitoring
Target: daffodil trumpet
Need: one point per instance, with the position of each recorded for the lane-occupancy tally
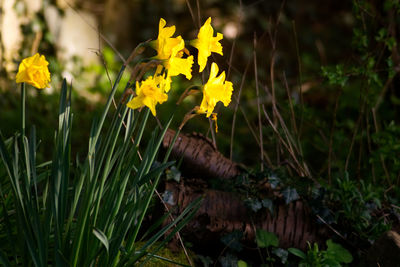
(151, 91)
(217, 89)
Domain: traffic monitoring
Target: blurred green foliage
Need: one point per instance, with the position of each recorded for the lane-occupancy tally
(334, 255)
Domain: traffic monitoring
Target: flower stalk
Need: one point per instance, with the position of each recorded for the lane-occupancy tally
(23, 96)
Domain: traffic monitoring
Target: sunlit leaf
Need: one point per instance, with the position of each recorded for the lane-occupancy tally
(266, 239)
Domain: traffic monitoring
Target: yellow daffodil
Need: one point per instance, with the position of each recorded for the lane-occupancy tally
(170, 50)
(163, 82)
(207, 43)
(165, 42)
(34, 71)
(177, 65)
(216, 89)
(148, 93)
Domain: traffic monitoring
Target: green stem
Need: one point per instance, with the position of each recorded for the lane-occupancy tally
(23, 93)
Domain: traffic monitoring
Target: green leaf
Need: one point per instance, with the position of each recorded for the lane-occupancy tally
(4, 259)
(173, 174)
(331, 263)
(241, 263)
(274, 181)
(102, 237)
(297, 252)
(338, 253)
(232, 240)
(281, 253)
(267, 203)
(253, 204)
(290, 194)
(266, 239)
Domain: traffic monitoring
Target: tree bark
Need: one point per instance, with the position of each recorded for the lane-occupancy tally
(200, 158)
(224, 212)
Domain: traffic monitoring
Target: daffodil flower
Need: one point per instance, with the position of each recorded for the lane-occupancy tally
(170, 50)
(165, 42)
(177, 65)
(216, 89)
(207, 43)
(34, 71)
(163, 81)
(148, 93)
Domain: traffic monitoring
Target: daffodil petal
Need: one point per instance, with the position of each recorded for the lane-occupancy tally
(206, 43)
(34, 71)
(216, 89)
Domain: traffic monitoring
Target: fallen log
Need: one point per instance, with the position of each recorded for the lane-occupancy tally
(200, 157)
(224, 212)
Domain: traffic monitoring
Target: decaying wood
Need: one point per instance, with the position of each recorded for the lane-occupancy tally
(385, 252)
(223, 212)
(200, 157)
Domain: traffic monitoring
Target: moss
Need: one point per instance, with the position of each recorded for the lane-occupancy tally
(165, 252)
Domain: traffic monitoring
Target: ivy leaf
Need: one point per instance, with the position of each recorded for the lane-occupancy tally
(267, 203)
(253, 204)
(266, 239)
(229, 260)
(274, 181)
(290, 194)
(298, 253)
(205, 260)
(232, 240)
(281, 253)
(338, 253)
(168, 197)
(173, 174)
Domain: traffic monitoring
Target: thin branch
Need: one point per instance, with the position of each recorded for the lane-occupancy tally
(301, 170)
(236, 107)
(381, 156)
(178, 235)
(331, 137)
(293, 118)
(191, 11)
(258, 102)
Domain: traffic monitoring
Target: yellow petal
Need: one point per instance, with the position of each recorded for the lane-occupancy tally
(136, 102)
(178, 66)
(149, 93)
(34, 71)
(216, 89)
(151, 104)
(206, 43)
(214, 70)
(165, 42)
